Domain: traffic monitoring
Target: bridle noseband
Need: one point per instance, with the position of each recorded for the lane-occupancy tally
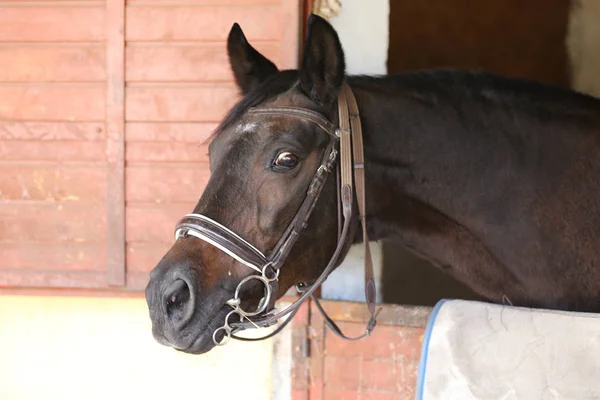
(345, 139)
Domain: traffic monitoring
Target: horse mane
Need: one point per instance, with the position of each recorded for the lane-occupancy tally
(440, 86)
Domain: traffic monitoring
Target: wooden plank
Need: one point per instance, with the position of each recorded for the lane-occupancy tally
(391, 314)
(160, 227)
(51, 24)
(199, 132)
(45, 279)
(210, 23)
(200, 2)
(52, 183)
(143, 257)
(207, 62)
(52, 64)
(137, 280)
(179, 103)
(34, 150)
(52, 222)
(115, 141)
(53, 256)
(47, 131)
(52, 102)
(166, 184)
(170, 152)
(291, 34)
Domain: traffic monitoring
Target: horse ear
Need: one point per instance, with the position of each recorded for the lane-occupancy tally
(250, 68)
(323, 66)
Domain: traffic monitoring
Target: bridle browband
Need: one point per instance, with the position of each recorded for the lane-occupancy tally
(349, 137)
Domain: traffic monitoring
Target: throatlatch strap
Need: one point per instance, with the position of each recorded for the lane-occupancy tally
(351, 147)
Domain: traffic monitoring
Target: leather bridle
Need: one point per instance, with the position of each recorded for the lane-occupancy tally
(345, 140)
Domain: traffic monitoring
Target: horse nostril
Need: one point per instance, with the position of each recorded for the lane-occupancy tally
(178, 304)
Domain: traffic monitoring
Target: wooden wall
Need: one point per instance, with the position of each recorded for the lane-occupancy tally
(103, 109)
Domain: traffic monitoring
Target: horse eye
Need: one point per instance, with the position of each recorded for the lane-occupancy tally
(286, 160)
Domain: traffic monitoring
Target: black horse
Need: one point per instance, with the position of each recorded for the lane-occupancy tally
(496, 181)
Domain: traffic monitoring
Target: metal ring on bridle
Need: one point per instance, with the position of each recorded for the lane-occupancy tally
(225, 328)
(273, 270)
(264, 301)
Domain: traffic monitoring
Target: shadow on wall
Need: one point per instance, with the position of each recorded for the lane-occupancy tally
(415, 280)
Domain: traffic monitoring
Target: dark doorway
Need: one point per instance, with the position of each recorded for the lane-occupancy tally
(509, 37)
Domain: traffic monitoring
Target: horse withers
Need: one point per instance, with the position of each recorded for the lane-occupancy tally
(496, 181)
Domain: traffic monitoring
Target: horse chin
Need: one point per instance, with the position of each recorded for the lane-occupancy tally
(203, 342)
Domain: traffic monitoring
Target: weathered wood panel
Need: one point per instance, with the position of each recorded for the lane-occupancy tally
(58, 63)
(87, 86)
(60, 23)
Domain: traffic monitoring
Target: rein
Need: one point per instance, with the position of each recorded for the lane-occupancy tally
(345, 140)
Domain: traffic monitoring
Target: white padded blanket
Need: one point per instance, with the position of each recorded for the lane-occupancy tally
(475, 350)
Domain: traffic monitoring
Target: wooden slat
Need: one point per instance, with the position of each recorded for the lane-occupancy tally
(53, 256)
(49, 24)
(207, 62)
(52, 64)
(143, 257)
(176, 23)
(115, 141)
(45, 279)
(179, 103)
(137, 280)
(200, 2)
(46, 131)
(52, 222)
(154, 223)
(291, 34)
(170, 152)
(33, 150)
(197, 133)
(160, 184)
(52, 102)
(47, 183)
(391, 314)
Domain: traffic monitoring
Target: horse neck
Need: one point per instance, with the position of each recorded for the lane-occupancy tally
(401, 131)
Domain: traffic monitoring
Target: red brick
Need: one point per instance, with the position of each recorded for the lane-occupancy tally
(84, 184)
(340, 394)
(166, 184)
(47, 24)
(207, 62)
(52, 63)
(58, 279)
(53, 256)
(166, 132)
(53, 103)
(143, 257)
(378, 376)
(164, 151)
(52, 151)
(342, 373)
(201, 103)
(52, 222)
(78, 131)
(154, 223)
(259, 22)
